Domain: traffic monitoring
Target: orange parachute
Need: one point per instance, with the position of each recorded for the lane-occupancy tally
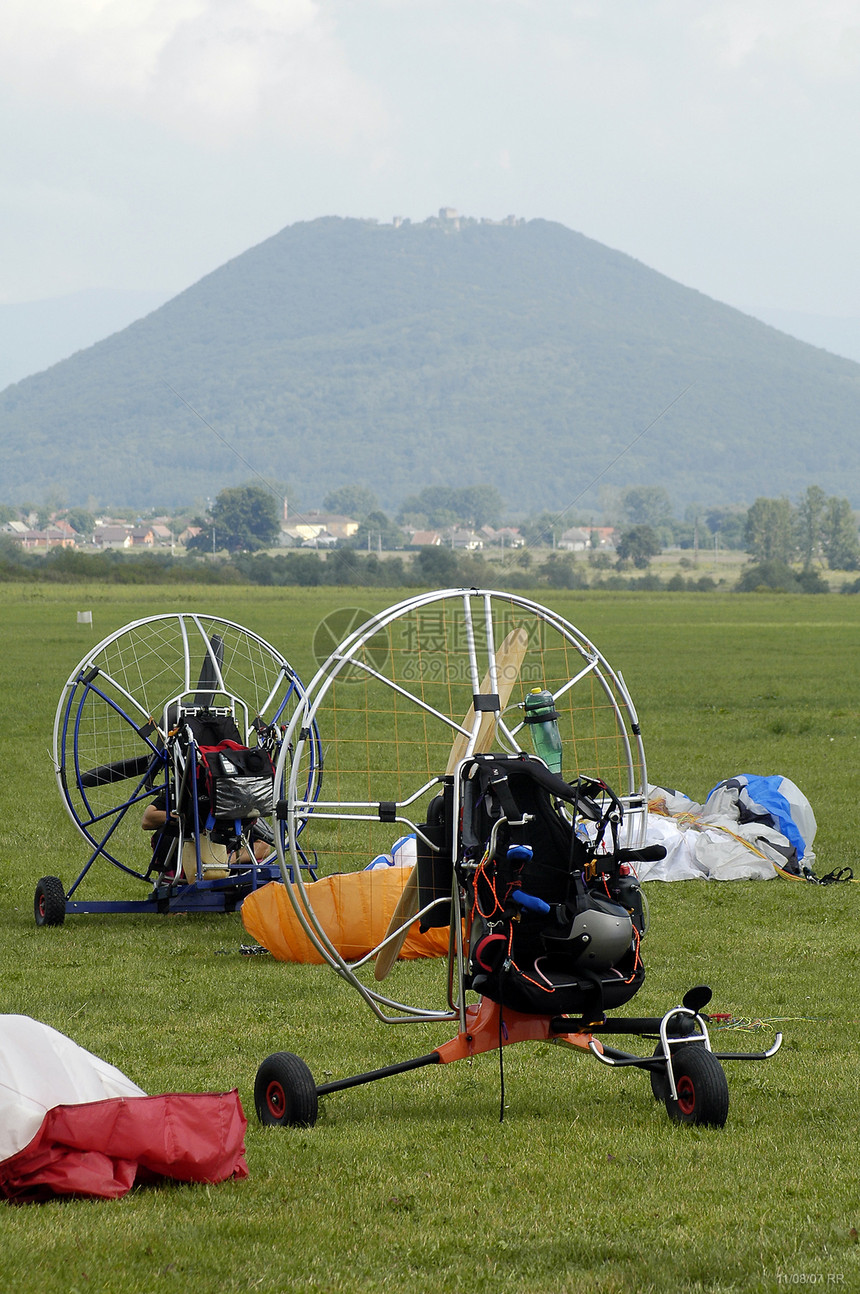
(353, 908)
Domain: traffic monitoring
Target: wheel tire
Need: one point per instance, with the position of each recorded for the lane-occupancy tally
(659, 1079)
(285, 1094)
(684, 1028)
(703, 1093)
(49, 904)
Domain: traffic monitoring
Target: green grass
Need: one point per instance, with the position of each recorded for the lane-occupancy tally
(412, 1183)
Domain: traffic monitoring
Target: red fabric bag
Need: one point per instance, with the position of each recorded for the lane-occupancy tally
(103, 1148)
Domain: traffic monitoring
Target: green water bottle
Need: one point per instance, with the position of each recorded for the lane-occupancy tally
(542, 717)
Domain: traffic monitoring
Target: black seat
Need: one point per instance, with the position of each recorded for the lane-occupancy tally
(233, 782)
(554, 913)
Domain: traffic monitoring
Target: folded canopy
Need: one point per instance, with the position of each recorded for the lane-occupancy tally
(71, 1124)
(353, 908)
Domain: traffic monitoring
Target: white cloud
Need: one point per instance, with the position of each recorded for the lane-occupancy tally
(214, 71)
(820, 40)
(710, 138)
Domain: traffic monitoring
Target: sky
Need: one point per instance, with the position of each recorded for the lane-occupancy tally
(146, 142)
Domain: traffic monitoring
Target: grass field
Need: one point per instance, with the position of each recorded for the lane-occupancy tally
(412, 1183)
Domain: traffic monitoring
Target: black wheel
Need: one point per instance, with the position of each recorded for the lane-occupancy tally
(49, 904)
(683, 1027)
(285, 1094)
(703, 1093)
(659, 1078)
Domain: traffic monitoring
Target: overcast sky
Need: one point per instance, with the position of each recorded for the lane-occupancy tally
(146, 142)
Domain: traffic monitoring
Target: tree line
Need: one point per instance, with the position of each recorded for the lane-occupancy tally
(819, 532)
(429, 567)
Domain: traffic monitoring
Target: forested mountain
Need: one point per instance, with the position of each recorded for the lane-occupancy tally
(450, 352)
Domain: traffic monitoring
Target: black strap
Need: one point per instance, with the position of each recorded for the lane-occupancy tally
(489, 767)
(837, 876)
(502, 789)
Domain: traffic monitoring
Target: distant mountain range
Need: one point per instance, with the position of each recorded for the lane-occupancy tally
(447, 352)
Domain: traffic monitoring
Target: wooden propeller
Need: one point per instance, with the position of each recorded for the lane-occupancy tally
(509, 659)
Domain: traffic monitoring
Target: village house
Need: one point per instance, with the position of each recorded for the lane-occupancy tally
(505, 536)
(575, 540)
(594, 538)
(322, 539)
(324, 527)
(603, 537)
(59, 536)
(425, 539)
(114, 535)
(466, 539)
(141, 537)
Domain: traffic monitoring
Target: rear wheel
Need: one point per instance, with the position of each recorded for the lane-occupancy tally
(49, 903)
(703, 1093)
(285, 1094)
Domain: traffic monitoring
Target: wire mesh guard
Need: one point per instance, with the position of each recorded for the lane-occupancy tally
(113, 720)
(396, 702)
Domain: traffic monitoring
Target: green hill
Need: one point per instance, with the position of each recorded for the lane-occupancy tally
(442, 353)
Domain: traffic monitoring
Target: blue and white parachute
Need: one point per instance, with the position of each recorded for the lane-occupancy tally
(771, 801)
(751, 827)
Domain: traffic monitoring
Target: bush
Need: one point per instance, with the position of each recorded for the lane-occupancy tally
(812, 582)
(773, 576)
(437, 566)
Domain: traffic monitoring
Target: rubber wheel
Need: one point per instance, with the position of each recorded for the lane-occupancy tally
(49, 904)
(285, 1094)
(659, 1079)
(703, 1093)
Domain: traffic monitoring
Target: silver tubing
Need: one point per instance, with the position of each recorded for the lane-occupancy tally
(150, 638)
(299, 810)
(701, 1037)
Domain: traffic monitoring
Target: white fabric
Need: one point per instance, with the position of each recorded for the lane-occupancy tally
(680, 863)
(709, 843)
(41, 1068)
(801, 811)
(722, 806)
(404, 853)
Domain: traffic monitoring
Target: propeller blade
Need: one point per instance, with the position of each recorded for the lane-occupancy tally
(509, 660)
(207, 684)
(119, 771)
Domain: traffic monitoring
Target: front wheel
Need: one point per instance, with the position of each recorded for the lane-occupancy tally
(659, 1078)
(285, 1094)
(703, 1093)
(49, 903)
